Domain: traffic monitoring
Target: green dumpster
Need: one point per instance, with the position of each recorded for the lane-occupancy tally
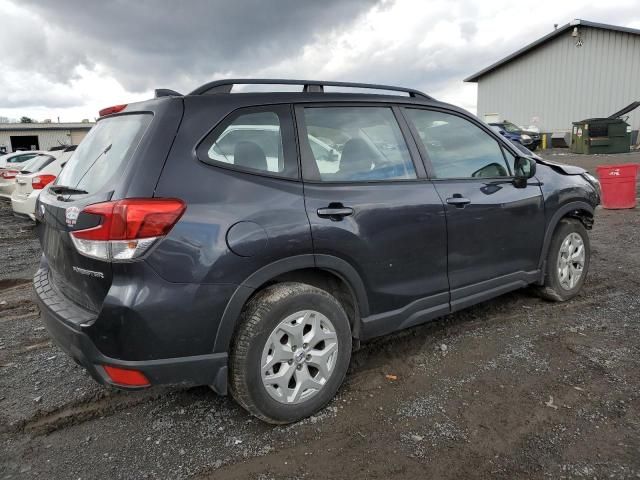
(603, 135)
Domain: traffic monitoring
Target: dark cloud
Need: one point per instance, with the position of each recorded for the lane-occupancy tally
(146, 44)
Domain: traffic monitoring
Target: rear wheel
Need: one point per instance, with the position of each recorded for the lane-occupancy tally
(291, 352)
(567, 261)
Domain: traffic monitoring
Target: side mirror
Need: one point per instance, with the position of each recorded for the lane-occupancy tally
(525, 168)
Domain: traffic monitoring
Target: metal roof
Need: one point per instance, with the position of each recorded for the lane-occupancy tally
(47, 126)
(558, 31)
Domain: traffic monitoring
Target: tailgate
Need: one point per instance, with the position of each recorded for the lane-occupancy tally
(23, 186)
(83, 280)
(121, 157)
(89, 177)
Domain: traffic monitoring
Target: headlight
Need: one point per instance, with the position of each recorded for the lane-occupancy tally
(525, 138)
(593, 181)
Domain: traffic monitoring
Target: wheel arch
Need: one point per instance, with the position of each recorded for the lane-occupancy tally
(323, 271)
(579, 210)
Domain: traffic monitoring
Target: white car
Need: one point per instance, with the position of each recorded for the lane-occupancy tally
(39, 173)
(10, 166)
(8, 177)
(16, 159)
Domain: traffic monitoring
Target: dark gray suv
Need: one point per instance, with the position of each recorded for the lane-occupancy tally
(248, 241)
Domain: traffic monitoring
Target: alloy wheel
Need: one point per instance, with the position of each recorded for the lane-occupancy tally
(571, 258)
(299, 357)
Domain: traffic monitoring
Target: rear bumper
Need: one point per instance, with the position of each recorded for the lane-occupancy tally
(6, 189)
(25, 206)
(64, 321)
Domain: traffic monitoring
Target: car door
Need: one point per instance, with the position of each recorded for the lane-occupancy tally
(495, 225)
(371, 206)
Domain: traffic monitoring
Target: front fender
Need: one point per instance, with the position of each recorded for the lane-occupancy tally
(560, 213)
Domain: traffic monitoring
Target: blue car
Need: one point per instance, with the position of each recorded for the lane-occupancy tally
(529, 139)
(522, 139)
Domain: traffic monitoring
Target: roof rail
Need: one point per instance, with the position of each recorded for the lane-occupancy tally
(225, 86)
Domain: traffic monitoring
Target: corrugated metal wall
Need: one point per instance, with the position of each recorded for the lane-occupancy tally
(46, 138)
(77, 136)
(558, 83)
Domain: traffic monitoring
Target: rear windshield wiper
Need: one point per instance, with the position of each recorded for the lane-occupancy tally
(60, 189)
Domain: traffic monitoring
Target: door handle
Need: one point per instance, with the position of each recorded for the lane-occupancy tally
(458, 201)
(337, 212)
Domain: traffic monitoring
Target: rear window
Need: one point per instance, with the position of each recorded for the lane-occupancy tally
(21, 158)
(36, 164)
(104, 152)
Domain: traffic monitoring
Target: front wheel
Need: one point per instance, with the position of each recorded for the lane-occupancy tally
(290, 353)
(567, 261)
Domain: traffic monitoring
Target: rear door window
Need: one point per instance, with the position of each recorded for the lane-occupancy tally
(355, 144)
(104, 152)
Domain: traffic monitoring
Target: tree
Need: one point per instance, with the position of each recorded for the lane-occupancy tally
(26, 120)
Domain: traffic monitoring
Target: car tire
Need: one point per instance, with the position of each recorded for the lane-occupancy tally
(564, 261)
(268, 376)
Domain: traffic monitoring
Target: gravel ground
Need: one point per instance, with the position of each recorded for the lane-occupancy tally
(513, 388)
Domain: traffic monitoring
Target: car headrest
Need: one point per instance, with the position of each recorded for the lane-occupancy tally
(250, 155)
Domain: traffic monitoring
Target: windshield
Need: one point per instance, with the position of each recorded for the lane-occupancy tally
(36, 164)
(104, 152)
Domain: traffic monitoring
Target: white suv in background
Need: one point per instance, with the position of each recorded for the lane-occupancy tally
(37, 174)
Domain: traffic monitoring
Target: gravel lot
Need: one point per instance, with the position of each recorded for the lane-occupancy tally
(513, 388)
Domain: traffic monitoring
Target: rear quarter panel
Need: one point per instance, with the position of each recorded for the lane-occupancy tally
(197, 249)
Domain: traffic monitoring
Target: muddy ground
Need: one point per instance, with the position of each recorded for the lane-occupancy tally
(513, 388)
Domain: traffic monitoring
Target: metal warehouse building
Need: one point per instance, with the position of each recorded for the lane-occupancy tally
(41, 136)
(580, 70)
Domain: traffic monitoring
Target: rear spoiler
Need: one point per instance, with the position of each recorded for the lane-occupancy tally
(165, 92)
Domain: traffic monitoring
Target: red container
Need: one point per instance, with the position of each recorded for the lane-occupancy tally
(618, 185)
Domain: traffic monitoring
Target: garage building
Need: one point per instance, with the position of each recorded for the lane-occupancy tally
(580, 70)
(41, 136)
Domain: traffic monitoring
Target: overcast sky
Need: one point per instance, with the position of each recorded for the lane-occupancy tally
(70, 58)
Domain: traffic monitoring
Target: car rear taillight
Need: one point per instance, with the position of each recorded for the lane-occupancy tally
(127, 227)
(110, 110)
(40, 181)
(9, 174)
